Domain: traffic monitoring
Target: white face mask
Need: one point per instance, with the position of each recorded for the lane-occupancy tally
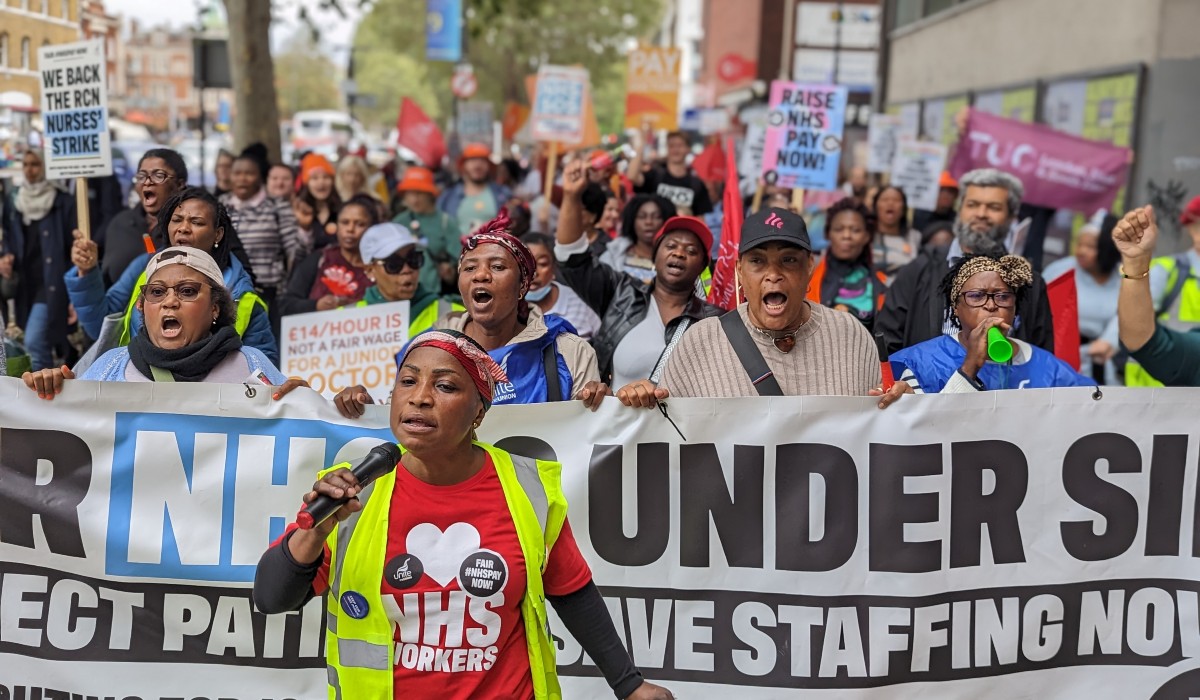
(536, 295)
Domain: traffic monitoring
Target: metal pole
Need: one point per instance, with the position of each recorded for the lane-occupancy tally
(200, 92)
(837, 43)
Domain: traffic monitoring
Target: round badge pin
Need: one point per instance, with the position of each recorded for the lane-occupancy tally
(355, 604)
(483, 574)
(403, 571)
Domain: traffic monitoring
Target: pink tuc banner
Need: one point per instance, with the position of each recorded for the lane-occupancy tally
(1058, 169)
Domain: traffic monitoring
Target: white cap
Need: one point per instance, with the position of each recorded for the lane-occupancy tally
(194, 258)
(382, 240)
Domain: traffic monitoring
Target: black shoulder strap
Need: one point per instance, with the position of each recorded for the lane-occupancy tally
(550, 365)
(1183, 270)
(749, 355)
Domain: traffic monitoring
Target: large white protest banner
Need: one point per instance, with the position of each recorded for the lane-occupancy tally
(1020, 544)
(75, 109)
(332, 350)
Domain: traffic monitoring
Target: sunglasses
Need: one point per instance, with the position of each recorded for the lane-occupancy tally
(186, 291)
(395, 264)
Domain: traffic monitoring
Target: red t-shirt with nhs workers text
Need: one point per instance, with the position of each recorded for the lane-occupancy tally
(453, 582)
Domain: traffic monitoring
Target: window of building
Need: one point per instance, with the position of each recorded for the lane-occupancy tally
(25, 59)
(909, 11)
(23, 5)
(66, 9)
(3, 49)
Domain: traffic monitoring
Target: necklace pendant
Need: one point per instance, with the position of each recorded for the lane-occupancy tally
(786, 343)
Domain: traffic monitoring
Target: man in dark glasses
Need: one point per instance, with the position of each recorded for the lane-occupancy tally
(394, 257)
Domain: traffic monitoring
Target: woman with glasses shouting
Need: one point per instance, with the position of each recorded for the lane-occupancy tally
(187, 332)
(983, 292)
(161, 173)
(191, 218)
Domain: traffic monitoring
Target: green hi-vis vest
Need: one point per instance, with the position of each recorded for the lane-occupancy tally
(428, 317)
(360, 653)
(1181, 311)
(245, 306)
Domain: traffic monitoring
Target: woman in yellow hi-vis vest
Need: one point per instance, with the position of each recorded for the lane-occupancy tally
(438, 573)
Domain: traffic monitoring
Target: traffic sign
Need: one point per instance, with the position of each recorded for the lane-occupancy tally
(464, 84)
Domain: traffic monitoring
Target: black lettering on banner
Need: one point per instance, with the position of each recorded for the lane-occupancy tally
(1168, 462)
(55, 502)
(796, 466)
(971, 509)
(606, 493)
(891, 507)
(738, 519)
(1086, 487)
(22, 692)
(846, 642)
(53, 615)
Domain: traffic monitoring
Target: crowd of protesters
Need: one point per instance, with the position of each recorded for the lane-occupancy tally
(598, 284)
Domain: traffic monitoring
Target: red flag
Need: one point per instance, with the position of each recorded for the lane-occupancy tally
(1064, 308)
(723, 292)
(419, 134)
(710, 164)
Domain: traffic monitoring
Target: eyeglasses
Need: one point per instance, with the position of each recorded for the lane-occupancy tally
(156, 177)
(395, 264)
(978, 297)
(185, 291)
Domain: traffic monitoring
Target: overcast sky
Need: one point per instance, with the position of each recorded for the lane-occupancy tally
(336, 33)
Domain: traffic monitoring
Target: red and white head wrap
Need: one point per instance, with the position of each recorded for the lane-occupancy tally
(496, 231)
(484, 371)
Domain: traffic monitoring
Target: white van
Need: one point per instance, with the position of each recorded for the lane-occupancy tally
(323, 131)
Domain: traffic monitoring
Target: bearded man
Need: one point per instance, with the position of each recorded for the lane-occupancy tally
(914, 310)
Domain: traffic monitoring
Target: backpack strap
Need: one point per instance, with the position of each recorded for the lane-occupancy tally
(550, 364)
(1183, 271)
(749, 355)
(161, 375)
(661, 364)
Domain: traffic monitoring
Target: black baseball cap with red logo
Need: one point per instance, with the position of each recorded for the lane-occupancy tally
(774, 225)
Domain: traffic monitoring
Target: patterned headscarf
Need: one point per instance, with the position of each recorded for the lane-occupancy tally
(1013, 269)
(483, 369)
(496, 231)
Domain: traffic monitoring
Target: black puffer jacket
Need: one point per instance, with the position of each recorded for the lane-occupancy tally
(622, 302)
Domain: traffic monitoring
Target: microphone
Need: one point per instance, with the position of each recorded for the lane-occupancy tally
(379, 461)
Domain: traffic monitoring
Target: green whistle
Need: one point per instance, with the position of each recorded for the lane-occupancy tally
(999, 349)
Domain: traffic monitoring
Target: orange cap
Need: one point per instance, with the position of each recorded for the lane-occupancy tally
(313, 162)
(947, 181)
(474, 150)
(418, 179)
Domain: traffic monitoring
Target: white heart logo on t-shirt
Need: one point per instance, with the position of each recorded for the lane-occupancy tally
(442, 553)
